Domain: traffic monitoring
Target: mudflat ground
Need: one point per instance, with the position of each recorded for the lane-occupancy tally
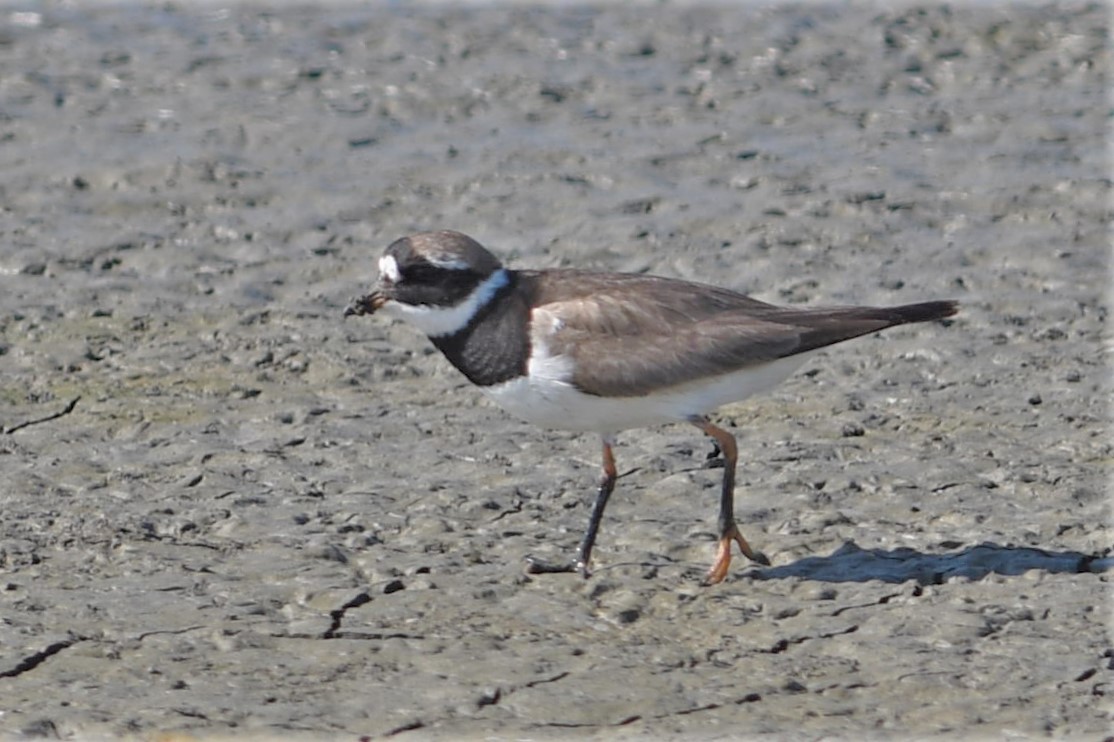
(226, 512)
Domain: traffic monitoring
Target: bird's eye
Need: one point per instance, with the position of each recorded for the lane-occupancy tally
(418, 273)
(413, 273)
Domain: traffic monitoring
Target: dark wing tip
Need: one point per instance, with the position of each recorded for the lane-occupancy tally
(927, 311)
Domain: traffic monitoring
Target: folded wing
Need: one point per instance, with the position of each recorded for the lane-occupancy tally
(633, 335)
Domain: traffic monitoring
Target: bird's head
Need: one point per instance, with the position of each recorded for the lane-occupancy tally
(435, 280)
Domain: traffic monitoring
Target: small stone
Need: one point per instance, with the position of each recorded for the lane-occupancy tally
(852, 430)
(824, 593)
(489, 697)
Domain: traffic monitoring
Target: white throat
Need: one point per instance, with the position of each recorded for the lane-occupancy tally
(437, 321)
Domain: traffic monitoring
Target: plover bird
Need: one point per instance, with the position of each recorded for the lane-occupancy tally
(606, 352)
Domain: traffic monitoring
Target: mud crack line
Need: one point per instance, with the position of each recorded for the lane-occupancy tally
(30, 662)
(337, 616)
(27, 423)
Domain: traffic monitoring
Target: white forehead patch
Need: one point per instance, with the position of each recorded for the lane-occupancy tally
(388, 268)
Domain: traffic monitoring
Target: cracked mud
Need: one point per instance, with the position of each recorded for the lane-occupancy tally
(227, 512)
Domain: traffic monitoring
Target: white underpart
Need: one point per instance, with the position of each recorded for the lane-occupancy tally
(437, 321)
(546, 397)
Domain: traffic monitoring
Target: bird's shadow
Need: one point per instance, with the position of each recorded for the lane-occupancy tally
(851, 563)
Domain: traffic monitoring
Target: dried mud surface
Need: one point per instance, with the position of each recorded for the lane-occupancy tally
(228, 513)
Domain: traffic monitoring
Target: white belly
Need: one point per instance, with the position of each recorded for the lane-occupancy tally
(549, 401)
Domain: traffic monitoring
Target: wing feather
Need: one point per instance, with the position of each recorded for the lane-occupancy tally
(631, 335)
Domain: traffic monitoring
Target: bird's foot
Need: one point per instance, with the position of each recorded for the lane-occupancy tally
(723, 555)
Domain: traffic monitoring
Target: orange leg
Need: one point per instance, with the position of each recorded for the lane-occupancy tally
(728, 531)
